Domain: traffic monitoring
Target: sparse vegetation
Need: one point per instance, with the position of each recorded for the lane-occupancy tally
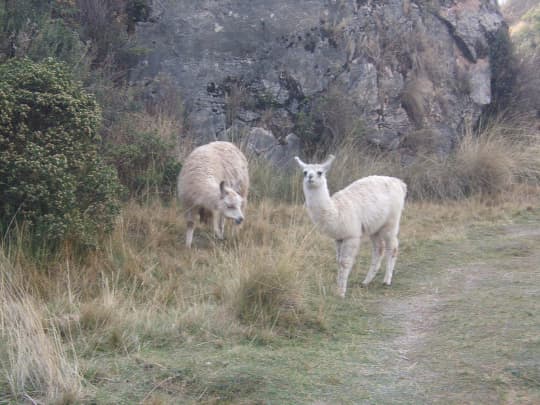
(253, 319)
(524, 19)
(33, 356)
(269, 183)
(328, 120)
(503, 72)
(486, 165)
(143, 148)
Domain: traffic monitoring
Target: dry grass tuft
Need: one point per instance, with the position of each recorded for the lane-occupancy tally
(271, 295)
(34, 360)
(481, 165)
(487, 163)
(99, 314)
(423, 141)
(484, 165)
(430, 178)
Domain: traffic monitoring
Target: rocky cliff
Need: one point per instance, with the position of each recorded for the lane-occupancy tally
(400, 67)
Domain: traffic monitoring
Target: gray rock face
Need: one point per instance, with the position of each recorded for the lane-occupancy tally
(401, 65)
(262, 143)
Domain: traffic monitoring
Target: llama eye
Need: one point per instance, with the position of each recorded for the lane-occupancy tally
(231, 207)
(305, 173)
(319, 173)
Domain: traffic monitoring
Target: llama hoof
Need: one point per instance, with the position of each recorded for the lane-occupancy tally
(387, 284)
(364, 284)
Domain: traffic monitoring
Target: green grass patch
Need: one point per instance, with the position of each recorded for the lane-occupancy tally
(254, 319)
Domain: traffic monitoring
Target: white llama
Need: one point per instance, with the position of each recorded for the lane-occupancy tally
(371, 205)
(213, 182)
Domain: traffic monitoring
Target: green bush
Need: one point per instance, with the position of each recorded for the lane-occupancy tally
(145, 163)
(51, 176)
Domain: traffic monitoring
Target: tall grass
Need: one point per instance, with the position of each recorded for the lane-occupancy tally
(270, 182)
(141, 288)
(487, 162)
(37, 364)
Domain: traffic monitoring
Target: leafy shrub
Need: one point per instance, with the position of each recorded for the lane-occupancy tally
(142, 134)
(50, 173)
(145, 162)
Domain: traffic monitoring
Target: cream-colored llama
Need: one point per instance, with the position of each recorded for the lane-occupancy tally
(213, 183)
(371, 205)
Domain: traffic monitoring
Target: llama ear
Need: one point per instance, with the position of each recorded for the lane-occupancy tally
(222, 189)
(300, 163)
(328, 163)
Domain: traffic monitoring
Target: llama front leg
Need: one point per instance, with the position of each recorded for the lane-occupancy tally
(222, 226)
(346, 258)
(339, 244)
(376, 259)
(218, 223)
(391, 253)
(190, 227)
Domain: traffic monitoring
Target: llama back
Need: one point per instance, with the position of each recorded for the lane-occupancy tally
(382, 200)
(234, 167)
(206, 167)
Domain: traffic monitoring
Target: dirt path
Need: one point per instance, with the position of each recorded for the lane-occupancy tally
(471, 333)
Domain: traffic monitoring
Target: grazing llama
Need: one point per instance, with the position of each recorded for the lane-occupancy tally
(371, 205)
(213, 183)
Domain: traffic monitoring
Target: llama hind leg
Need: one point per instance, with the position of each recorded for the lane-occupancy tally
(376, 258)
(347, 251)
(391, 253)
(339, 244)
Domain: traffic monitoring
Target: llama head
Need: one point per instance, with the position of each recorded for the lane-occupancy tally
(230, 203)
(315, 173)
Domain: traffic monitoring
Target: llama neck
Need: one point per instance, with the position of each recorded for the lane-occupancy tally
(320, 205)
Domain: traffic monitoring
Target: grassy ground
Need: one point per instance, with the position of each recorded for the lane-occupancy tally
(254, 319)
